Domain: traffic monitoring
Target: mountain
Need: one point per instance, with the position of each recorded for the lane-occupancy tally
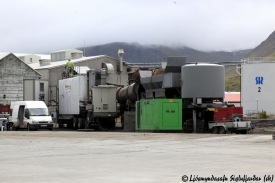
(266, 48)
(133, 52)
(199, 56)
(136, 53)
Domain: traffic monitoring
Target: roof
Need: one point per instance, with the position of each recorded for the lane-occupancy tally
(42, 56)
(72, 50)
(55, 64)
(4, 55)
(232, 96)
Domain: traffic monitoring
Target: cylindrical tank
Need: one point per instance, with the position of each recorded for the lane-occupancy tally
(129, 92)
(202, 81)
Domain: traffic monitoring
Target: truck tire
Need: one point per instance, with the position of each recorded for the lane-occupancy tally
(75, 123)
(29, 128)
(243, 132)
(222, 130)
(215, 130)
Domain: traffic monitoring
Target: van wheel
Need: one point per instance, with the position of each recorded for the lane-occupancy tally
(29, 128)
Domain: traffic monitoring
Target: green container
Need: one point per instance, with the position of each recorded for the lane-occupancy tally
(159, 114)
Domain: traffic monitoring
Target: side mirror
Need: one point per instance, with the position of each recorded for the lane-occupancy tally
(52, 115)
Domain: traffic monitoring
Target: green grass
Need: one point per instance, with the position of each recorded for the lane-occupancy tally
(272, 55)
(232, 79)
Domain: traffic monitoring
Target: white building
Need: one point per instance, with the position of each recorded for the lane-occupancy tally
(258, 86)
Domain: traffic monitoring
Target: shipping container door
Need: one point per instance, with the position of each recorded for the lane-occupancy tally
(105, 99)
(170, 115)
(146, 114)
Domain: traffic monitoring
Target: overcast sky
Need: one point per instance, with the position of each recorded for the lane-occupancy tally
(42, 26)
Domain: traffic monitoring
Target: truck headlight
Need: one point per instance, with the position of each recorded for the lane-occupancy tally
(34, 122)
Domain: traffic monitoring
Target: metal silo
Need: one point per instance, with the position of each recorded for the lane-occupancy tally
(205, 81)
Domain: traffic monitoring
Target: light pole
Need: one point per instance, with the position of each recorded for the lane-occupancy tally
(257, 106)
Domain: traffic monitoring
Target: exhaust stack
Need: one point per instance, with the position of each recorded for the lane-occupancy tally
(120, 56)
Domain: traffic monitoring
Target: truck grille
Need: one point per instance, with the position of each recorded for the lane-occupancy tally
(43, 122)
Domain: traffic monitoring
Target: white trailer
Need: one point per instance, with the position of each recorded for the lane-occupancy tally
(230, 127)
(82, 104)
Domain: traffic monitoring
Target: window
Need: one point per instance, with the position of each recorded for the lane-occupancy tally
(41, 87)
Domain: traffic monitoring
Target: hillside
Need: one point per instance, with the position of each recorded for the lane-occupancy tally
(232, 79)
(199, 56)
(136, 53)
(133, 53)
(266, 48)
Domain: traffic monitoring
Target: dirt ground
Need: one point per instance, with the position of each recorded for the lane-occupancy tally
(121, 157)
(264, 127)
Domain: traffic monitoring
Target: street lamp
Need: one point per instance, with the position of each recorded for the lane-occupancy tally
(257, 105)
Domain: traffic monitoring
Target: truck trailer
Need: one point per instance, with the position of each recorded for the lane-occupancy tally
(229, 120)
(84, 102)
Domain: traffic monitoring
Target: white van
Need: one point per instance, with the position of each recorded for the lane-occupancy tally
(32, 115)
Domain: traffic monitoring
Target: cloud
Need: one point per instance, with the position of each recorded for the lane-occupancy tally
(48, 25)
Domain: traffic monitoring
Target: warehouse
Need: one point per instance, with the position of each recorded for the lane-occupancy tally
(258, 86)
(12, 75)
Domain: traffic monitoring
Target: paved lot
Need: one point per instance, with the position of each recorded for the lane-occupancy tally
(61, 156)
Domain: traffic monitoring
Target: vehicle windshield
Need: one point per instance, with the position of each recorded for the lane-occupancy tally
(38, 112)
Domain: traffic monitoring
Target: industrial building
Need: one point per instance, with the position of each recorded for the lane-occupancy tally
(12, 75)
(258, 85)
(114, 71)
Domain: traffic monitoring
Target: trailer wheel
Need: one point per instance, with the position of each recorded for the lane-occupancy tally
(221, 130)
(215, 130)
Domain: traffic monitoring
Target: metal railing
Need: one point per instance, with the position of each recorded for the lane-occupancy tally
(254, 60)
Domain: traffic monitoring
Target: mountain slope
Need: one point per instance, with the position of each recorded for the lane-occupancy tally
(199, 56)
(266, 48)
(136, 53)
(133, 53)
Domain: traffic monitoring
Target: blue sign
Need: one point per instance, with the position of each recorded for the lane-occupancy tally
(259, 80)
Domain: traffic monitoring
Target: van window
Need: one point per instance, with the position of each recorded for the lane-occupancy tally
(38, 112)
(27, 113)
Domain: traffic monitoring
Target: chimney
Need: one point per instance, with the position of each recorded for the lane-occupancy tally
(120, 56)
